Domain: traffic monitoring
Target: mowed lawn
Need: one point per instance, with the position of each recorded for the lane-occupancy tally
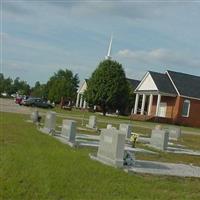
(36, 166)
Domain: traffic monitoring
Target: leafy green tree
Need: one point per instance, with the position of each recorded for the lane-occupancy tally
(108, 87)
(5, 84)
(39, 90)
(62, 84)
(1, 83)
(131, 99)
(21, 87)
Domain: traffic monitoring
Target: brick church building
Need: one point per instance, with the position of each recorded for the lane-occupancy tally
(170, 97)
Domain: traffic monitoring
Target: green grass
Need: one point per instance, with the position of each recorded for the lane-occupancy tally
(36, 166)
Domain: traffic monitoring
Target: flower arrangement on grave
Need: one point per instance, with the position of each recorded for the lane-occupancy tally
(133, 139)
(129, 158)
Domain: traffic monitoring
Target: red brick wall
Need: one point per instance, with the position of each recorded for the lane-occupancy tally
(170, 105)
(194, 114)
(174, 110)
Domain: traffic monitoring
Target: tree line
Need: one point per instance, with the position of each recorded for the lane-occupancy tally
(62, 84)
(107, 87)
(13, 86)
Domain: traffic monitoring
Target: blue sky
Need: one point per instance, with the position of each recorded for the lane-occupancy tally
(40, 37)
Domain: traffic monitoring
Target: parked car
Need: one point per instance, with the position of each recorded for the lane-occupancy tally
(24, 99)
(37, 102)
(18, 100)
(14, 95)
(4, 94)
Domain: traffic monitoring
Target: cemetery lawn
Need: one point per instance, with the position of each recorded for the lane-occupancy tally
(37, 166)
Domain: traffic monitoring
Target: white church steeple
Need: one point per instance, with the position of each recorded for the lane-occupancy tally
(108, 56)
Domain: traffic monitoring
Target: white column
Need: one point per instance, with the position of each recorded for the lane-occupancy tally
(143, 104)
(81, 101)
(158, 104)
(77, 100)
(136, 103)
(84, 104)
(150, 104)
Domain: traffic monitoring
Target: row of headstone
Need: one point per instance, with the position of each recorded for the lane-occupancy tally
(68, 130)
(123, 127)
(160, 137)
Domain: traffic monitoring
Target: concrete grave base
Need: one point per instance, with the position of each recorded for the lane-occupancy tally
(107, 161)
(65, 140)
(88, 126)
(169, 169)
(45, 130)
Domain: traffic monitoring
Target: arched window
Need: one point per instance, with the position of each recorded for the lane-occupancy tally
(186, 108)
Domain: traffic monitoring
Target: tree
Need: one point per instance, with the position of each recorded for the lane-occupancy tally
(131, 99)
(108, 87)
(5, 84)
(62, 84)
(39, 90)
(20, 86)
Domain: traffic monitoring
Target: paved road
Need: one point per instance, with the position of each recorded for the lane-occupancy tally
(8, 105)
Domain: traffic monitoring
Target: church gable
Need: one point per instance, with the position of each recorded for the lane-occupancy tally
(147, 84)
(83, 87)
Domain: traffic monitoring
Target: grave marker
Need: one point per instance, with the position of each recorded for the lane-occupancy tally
(69, 130)
(109, 126)
(35, 116)
(159, 139)
(111, 147)
(92, 122)
(174, 132)
(50, 122)
(126, 128)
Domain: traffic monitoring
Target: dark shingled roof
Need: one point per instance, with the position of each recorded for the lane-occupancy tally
(134, 83)
(186, 84)
(163, 82)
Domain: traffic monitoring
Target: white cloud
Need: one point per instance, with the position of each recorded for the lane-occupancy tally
(160, 56)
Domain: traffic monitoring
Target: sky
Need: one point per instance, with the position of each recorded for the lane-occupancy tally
(39, 37)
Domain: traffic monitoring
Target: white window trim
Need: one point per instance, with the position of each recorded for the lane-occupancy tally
(188, 110)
